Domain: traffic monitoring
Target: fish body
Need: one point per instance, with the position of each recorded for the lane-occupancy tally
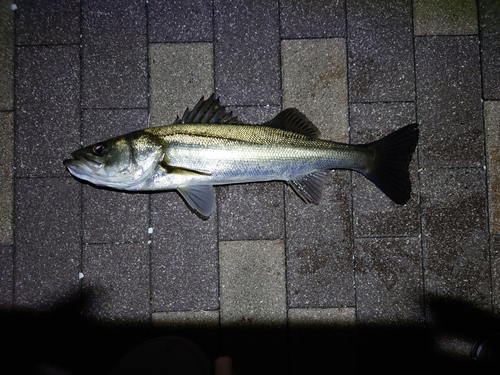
(208, 146)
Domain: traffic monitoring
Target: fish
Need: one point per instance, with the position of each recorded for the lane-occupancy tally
(209, 146)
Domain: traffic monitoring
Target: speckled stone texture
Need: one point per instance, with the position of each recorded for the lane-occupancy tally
(491, 120)
(489, 14)
(442, 17)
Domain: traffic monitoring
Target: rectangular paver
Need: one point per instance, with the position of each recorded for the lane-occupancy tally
(246, 37)
(114, 54)
(180, 74)
(449, 102)
(314, 81)
(455, 247)
(489, 14)
(443, 17)
(6, 56)
(6, 178)
(47, 108)
(48, 251)
(252, 279)
(380, 50)
(491, 120)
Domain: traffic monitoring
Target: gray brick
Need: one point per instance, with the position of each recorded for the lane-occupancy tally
(184, 273)
(252, 279)
(47, 108)
(455, 247)
(114, 56)
(180, 75)
(117, 276)
(319, 247)
(47, 236)
(246, 49)
(180, 21)
(380, 50)
(449, 102)
(6, 277)
(314, 81)
(6, 56)
(313, 19)
(489, 14)
(442, 17)
(53, 22)
(6, 178)
(389, 285)
(495, 272)
(374, 213)
(113, 216)
(491, 121)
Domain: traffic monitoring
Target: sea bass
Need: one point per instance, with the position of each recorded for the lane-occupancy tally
(209, 146)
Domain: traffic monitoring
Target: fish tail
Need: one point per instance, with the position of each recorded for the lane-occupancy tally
(389, 168)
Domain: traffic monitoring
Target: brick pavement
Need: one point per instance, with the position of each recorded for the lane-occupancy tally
(283, 287)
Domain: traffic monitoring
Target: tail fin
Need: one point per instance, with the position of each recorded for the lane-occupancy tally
(392, 156)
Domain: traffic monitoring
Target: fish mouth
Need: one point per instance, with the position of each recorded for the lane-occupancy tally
(81, 167)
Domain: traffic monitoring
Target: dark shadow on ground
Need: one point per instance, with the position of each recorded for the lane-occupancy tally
(63, 341)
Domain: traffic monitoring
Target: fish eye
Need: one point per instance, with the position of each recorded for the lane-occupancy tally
(100, 149)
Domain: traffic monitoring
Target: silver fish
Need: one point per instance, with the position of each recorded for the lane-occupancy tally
(208, 146)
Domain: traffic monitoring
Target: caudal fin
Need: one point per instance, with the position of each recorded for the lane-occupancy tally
(392, 156)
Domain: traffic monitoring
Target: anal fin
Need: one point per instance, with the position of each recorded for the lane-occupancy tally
(310, 187)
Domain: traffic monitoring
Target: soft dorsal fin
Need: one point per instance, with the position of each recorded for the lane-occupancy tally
(293, 121)
(207, 112)
(310, 187)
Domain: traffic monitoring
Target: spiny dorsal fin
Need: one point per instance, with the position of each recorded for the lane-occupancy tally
(207, 112)
(293, 121)
(310, 186)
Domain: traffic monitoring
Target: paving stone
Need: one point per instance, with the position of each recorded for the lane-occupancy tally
(251, 211)
(247, 68)
(373, 213)
(319, 338)
(319, 247)
(48, 254)
(252, 280)
(6, 56)
(114, 55)
(117, 278)
(53, 22)
(491, 120)
(449, 102)
(114, 217)
(380, 50)
(495, 272)
(6, 178)
(179, 21)
(180, 74)
(455, 247)
(47, 108)
(442, 17)
(184, 270)
(314, 19)
(6, 277)
(489, 14)
(389, 284)
(314, 81)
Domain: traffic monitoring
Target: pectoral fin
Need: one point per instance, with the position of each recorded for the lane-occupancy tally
(201, 198)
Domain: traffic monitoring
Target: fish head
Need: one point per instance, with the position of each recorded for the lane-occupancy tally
(120, 163)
